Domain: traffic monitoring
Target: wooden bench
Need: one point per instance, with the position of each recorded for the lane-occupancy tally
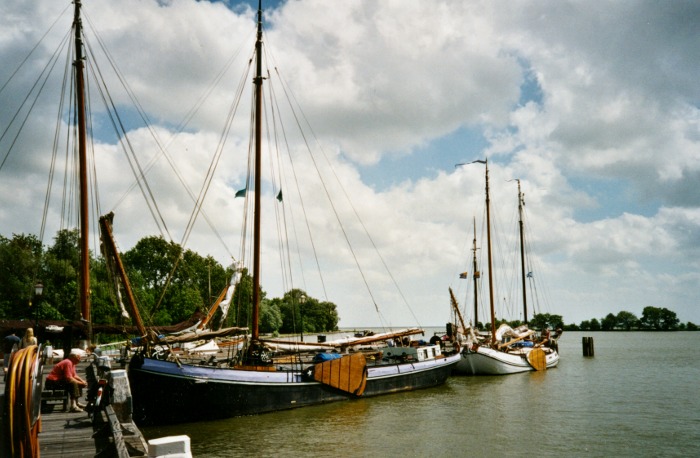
(53, 397)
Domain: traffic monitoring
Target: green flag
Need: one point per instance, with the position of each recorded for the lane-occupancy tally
(241, 193)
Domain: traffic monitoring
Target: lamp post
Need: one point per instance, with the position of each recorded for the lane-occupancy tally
(38, 291)
(302, 302)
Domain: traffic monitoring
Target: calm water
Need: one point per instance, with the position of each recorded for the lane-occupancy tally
(638, 396)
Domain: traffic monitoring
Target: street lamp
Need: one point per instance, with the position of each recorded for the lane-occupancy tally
(302, 301)
(38, 291)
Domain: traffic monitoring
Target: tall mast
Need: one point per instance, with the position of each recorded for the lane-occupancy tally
(521, 202)
(84, 293)
(258, 80)
(476, 277)
(488, 241)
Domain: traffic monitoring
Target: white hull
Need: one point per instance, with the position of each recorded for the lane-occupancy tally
(487, 361)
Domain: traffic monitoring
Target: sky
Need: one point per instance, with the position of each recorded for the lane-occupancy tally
(593, 106)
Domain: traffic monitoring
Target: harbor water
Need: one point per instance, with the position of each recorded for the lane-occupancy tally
(638, 396)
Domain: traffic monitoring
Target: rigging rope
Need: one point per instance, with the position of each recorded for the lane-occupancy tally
(328, 196)
(352, 206)
(42, 78)
(180, 127)
(26, 58)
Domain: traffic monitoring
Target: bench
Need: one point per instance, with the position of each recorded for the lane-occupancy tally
(53, 397)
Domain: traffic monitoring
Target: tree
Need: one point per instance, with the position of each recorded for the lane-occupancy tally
(240, 311)
(608, 323)
(627, 320)
(302, 313)
(170, 283)
(270, 317)
(545, 320)
(19, 270)
(659, 319)
(62, 267)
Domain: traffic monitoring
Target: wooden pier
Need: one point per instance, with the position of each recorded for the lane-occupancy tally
(82, 434)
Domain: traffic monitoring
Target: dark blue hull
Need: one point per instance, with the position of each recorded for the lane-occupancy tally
(164, 392)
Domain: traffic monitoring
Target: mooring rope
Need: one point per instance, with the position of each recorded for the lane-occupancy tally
(21, 425)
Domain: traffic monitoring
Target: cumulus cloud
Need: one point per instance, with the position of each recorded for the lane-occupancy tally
(593, 107)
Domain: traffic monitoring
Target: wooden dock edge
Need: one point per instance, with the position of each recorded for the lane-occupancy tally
(122, 438)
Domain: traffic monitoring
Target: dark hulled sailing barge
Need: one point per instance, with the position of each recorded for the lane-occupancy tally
(168, 390)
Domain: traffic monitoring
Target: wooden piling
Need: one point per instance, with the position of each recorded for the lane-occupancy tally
(588, 346)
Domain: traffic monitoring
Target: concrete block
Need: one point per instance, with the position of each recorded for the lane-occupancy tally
(170, 447)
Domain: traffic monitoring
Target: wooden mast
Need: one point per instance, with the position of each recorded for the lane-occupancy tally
(455, 306)
(111, 250)
(84, 292)
(476, 276)
(521, 202)
(488, 237)
(258, 80)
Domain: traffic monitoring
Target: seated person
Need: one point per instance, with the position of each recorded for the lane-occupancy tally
(64, 377)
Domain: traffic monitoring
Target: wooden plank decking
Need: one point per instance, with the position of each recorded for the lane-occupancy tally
(76, 435)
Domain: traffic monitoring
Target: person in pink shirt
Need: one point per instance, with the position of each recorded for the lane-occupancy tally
(64, 377)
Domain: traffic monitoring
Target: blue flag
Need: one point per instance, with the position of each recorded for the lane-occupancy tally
(241, 192)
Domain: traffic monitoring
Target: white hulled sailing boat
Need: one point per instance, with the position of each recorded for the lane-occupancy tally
(505, 350)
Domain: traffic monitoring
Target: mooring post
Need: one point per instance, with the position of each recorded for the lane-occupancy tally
(588, 346)
(121, 395)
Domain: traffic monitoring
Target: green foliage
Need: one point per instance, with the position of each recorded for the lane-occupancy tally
(653, 319)
(293, 313)
(19, 268)
(592, 325)
(170, 284)
(608, 323)
(627, 320)
(545, 320)
(270, 317)
(242, 302)
(539, 321)
(60, 276)
(24, 261)
(658, 319)
(302, 313)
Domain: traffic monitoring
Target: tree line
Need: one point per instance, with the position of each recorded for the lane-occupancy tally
(652, 319)
(191, 287)
(539, 321)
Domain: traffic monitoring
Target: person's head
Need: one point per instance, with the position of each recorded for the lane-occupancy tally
(29, 333)
(74, 356)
